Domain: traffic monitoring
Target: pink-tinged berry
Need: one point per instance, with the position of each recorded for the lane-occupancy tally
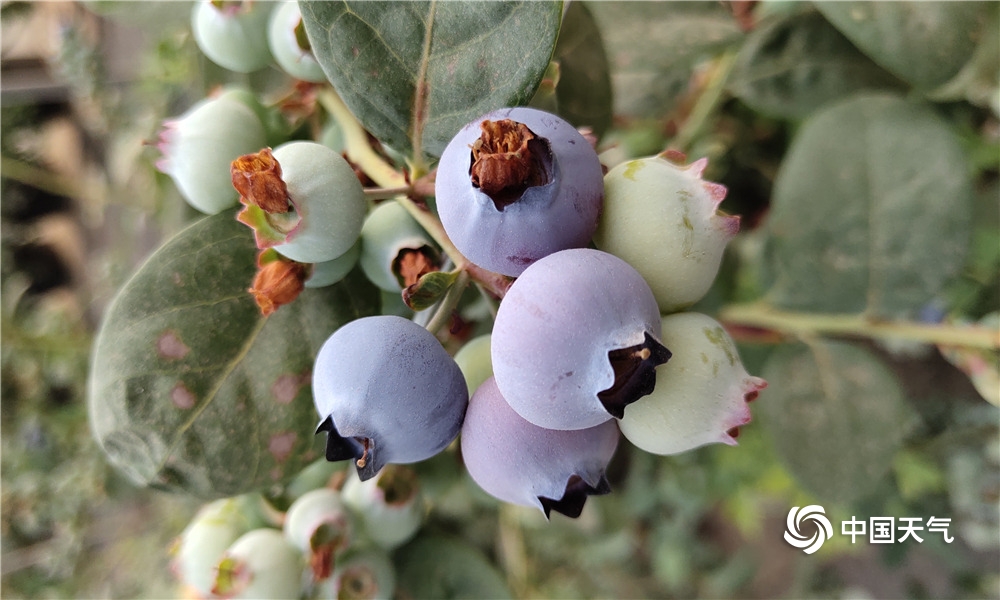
(702, 395)
(524, 464)
(197, 147)
(663, 219)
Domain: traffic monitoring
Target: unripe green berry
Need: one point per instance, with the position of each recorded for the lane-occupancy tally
(319, 473)
(287, 39)
(260, 564)
(362, 574)
(388, 235)
(663, 220)
(200, 546)
(701, 395)
(474, 360)
(313, 205)
(390, 505)
(332, 136)
(321, 527)
(198, 147)
(233, 35)
(331, 271)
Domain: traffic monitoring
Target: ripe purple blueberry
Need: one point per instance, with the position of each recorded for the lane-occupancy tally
(518, 184)
(387, 392)
(524, 464)
(576, 340)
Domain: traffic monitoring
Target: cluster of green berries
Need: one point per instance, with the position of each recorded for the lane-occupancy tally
(333, 541)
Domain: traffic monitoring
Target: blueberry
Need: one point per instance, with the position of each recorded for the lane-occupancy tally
(260, 564)
(518, 184)
(321, 527)
(395, 250)
(576, 340)
(233, 35)
(289, 45)
(701, 395)
(198, 146)
(663, 219)
(387, 392)
(302, 199)
(524, 464)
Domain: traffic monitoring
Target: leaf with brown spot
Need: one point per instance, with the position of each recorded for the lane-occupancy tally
(205, 420)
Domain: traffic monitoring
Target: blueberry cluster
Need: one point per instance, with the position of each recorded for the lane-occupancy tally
(579, 350)
(593, 270)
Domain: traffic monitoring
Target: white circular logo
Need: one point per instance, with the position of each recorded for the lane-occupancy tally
(793, 533)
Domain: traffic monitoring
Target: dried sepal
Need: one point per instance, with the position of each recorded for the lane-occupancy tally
(278, 281)
(257, 178)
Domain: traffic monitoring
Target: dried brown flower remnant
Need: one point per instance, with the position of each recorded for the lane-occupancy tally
(277, 283)
(413, 264)
(507, 159)
(257, 178)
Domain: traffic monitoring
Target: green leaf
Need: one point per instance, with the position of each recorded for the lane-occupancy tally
(441, 567)
(430, 288)
(584, 88)
(654, 46)
(190, 388)
(925, 42)
(789, 67)
(977, 82)
(870, 210)
(836, 416)
(422, 70)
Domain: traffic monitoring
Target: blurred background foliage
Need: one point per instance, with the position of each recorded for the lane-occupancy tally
(85, 87)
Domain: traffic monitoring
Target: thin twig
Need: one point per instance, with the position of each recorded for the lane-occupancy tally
(798, 324)
(447, 304)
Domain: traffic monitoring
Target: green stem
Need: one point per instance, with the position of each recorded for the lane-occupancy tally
(805, 324)
(447, 305)
(418, 166)
(708, 101)
(359, 151)
(385, 193)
